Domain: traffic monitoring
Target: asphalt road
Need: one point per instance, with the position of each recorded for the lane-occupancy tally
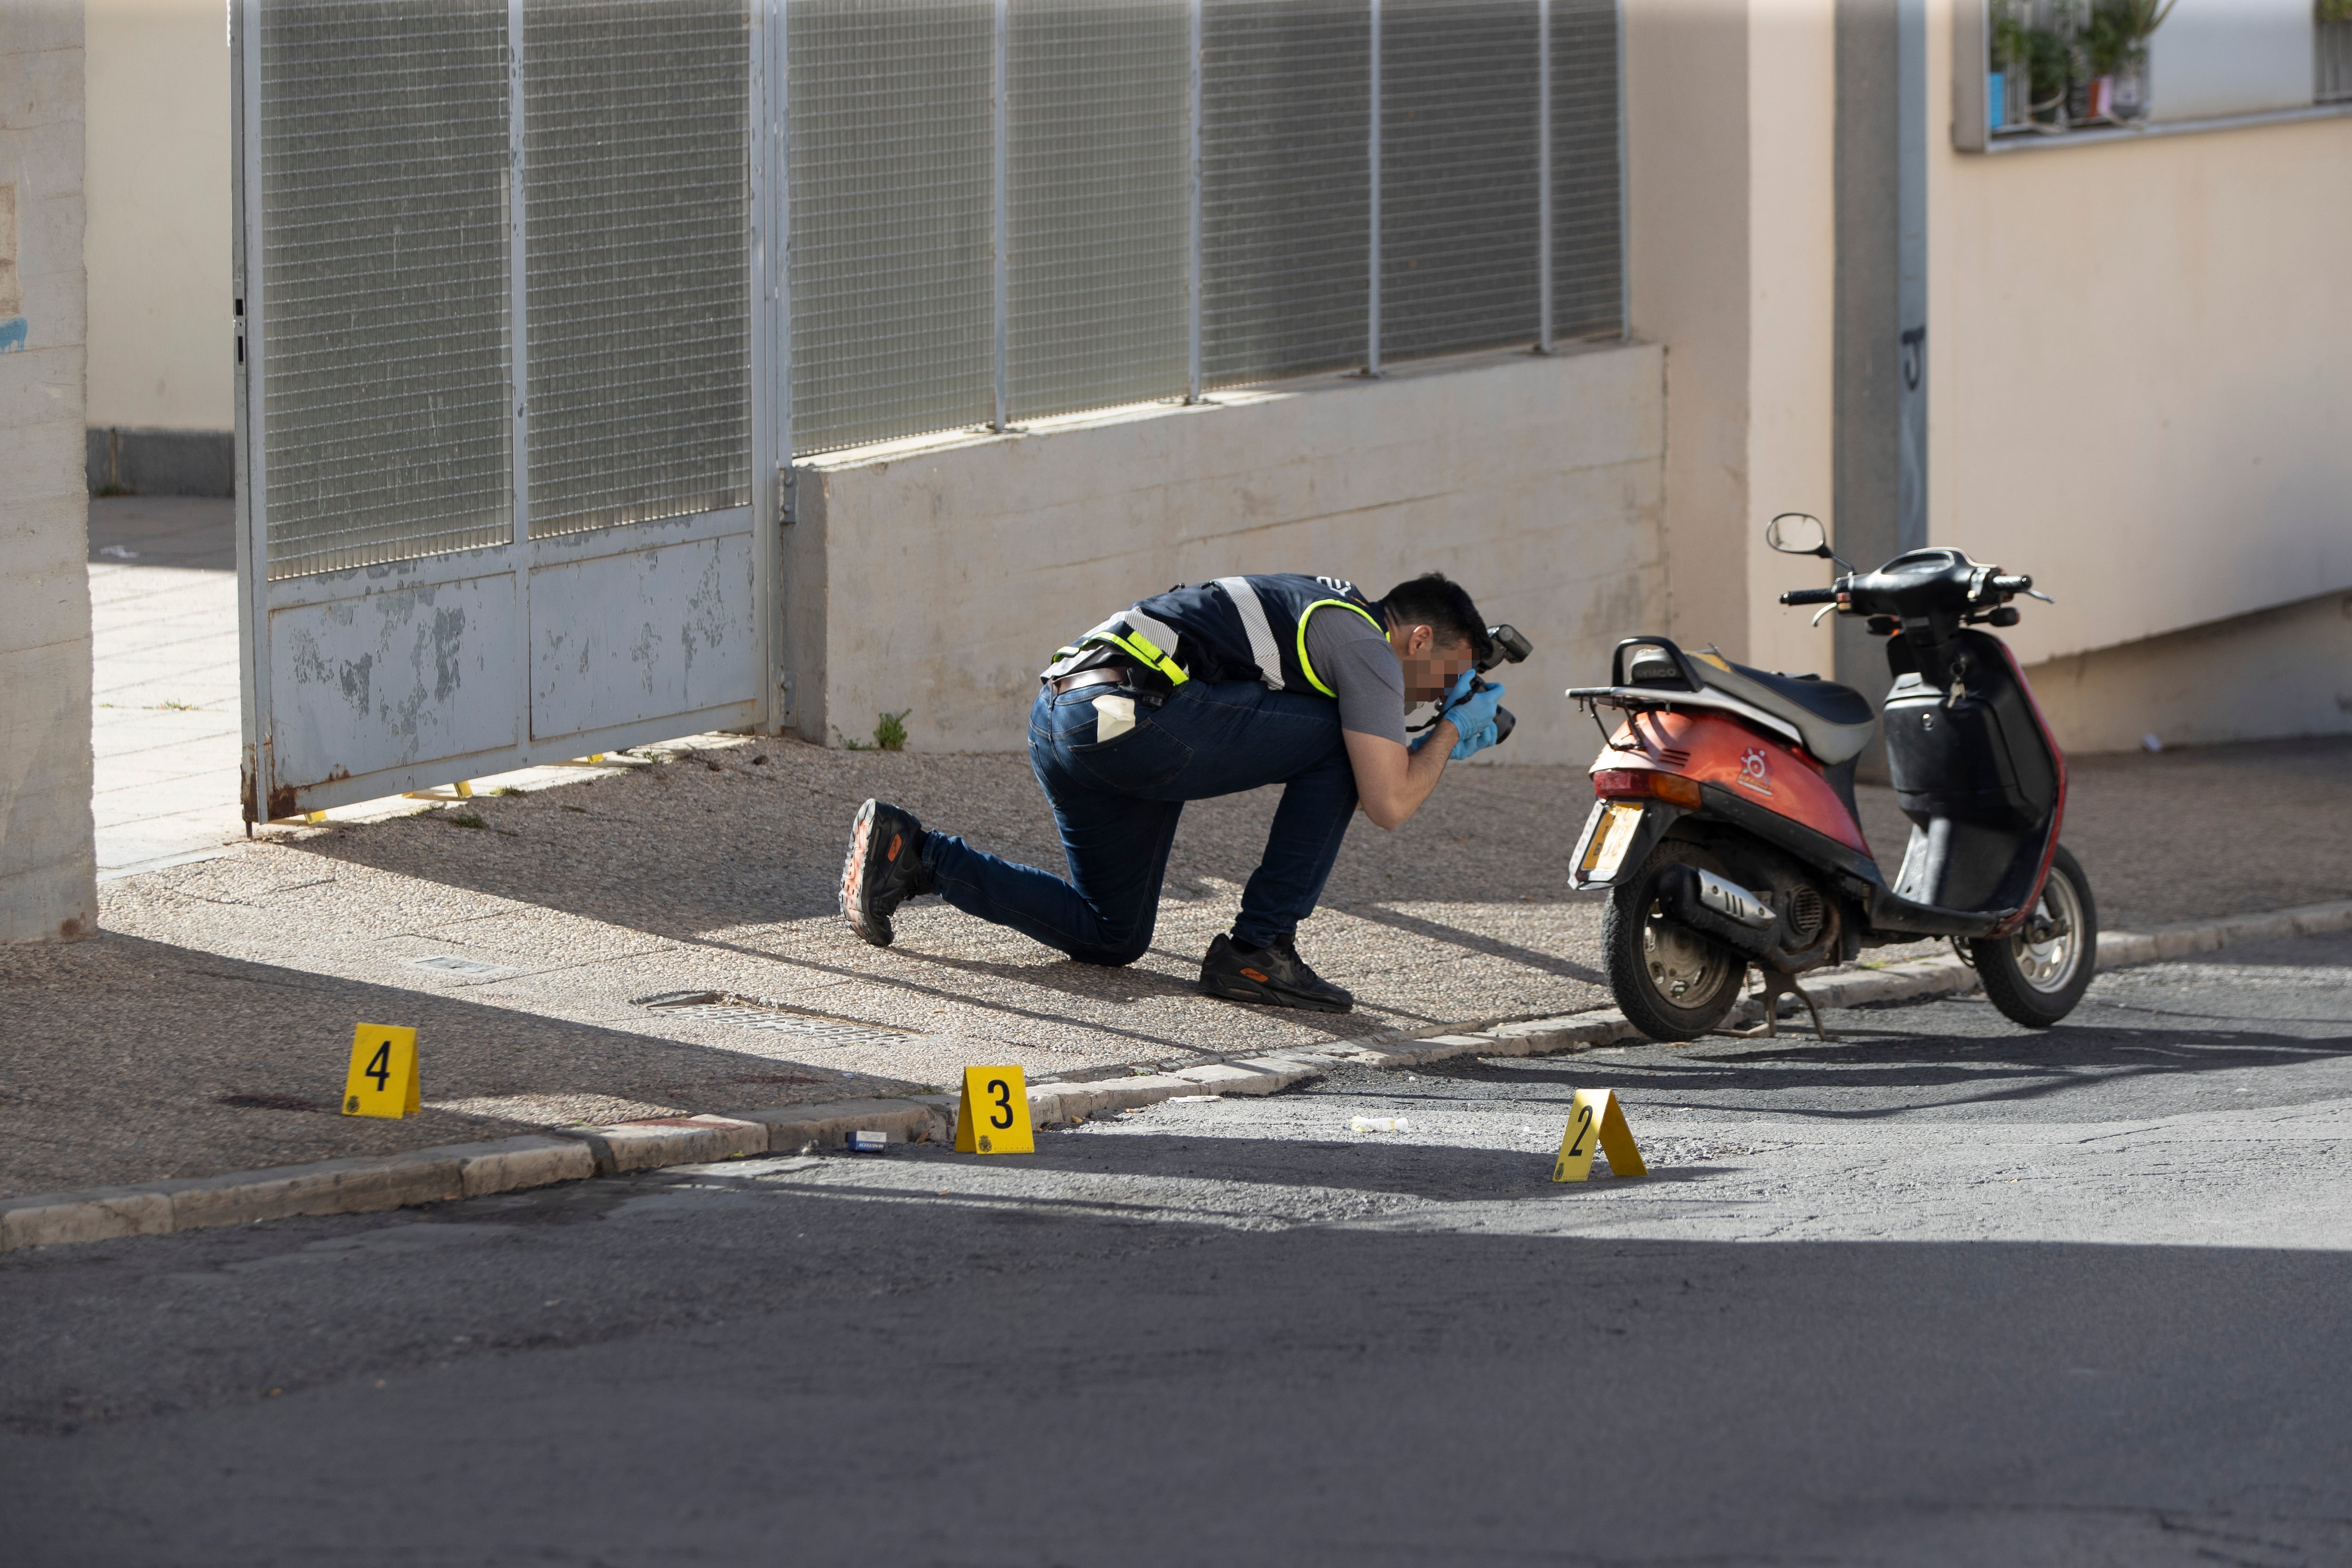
(1936, 1291)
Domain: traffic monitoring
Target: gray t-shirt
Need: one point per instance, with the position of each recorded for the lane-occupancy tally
(1354, 659)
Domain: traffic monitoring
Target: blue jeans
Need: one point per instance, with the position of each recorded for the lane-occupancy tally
(1117, 804)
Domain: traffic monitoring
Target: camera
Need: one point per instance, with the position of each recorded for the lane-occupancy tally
(1507, 646)
(1510, 646)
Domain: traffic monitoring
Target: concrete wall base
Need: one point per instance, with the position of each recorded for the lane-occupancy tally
(939, 577)
(161, 462)
(2274, 673)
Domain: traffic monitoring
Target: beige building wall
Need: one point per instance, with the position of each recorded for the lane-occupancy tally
(1731, 124)
(1792, 306)
(2286, 672)
(1535, 481)
(48, 889)
(162, 346)
(2139, 392)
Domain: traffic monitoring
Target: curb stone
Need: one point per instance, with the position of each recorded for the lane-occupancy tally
(1896, 983)
(365, 1185)
(328, 1187)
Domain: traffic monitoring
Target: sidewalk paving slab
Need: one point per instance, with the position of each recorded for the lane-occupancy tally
(205, 1030)
(441, 1175)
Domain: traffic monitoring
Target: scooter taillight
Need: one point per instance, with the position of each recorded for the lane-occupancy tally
(1618, 783)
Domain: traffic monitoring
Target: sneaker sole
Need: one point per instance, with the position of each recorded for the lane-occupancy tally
(853, 879)
(1267, 996)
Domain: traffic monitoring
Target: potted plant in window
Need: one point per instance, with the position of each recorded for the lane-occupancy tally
(2008, 82)
(2048, 66)
(2334, 19)
(2118, 43)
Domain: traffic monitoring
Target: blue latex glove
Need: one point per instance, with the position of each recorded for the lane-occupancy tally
(1453, 694)
(1473, 715)
(1477, 740)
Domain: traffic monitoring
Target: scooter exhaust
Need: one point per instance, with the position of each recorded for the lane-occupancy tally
(1718, 907)
(1734, 902)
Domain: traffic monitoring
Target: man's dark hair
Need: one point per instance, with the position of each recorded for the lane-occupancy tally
(1434, 600)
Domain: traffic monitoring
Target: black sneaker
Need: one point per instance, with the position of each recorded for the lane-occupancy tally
(885, 868)
(1275, 975)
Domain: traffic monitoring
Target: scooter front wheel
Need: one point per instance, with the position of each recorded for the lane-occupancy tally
(1672, 982)
(2037, 977)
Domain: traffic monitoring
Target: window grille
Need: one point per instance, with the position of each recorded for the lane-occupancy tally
(1286, 205)
(383, 263)
(891, 189)
(636, 179)
(896, 329)
(1587, 214)
(1096, 203)
(1459, 195)
(2332, 54)
(998, 210)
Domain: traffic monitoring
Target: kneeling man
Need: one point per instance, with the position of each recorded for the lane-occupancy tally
(1202, 691)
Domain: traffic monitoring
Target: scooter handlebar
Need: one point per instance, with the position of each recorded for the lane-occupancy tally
(1810, 596)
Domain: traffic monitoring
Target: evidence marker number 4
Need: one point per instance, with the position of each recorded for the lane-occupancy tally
(382, 1081)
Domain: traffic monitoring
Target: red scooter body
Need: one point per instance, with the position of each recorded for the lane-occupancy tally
(1711, 749)
(1726, 829)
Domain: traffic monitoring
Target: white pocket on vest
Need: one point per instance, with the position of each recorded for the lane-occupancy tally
(1114, 717)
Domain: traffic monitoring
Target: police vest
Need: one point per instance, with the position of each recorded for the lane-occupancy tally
(1236, 628)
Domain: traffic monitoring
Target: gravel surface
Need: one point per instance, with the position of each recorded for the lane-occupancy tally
(225, 989)
(1939, 1291)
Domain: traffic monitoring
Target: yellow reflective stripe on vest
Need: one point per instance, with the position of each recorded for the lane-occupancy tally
(1308, 614)
(1143, 647)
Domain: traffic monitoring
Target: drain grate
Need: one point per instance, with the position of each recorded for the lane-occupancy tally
(730, 1008)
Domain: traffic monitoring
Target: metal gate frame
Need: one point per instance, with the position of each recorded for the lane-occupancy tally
(267, 795)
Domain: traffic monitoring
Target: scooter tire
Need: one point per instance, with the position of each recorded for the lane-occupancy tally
(1632, 934)
(2038, 984)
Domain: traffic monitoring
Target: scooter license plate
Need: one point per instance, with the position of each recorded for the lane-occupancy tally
(1611, 838)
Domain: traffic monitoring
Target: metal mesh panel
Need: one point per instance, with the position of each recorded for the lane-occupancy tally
(1587, 250)
(635, 122)
(384, 264)
(1098, 204)
(1286, 207)
(1458, 176)
(2332, 68)
(892, 185)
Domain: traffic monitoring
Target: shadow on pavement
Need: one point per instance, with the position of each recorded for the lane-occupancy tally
(129, 1060)
(2023, 1066)
(696, 1376)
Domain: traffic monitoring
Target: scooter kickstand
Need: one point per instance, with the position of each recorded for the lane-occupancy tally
(1766, 1030)
(1774, 986)
(1813, 1007)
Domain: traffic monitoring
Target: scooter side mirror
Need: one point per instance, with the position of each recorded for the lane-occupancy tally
(1798, 533)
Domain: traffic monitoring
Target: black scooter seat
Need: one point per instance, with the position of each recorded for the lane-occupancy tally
(1835, 721)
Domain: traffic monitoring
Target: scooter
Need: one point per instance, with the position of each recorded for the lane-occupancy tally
(1725, 828)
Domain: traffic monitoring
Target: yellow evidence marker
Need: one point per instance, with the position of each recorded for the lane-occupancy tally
(999, 1097)
(383, 1079)
(1596, 1119)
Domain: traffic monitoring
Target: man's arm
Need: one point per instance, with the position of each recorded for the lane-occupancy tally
(1392, 781)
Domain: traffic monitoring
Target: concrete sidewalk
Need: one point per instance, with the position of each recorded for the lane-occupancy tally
(206, 1030)
(165, 731)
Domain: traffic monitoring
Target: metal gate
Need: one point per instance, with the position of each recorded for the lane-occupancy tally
(524, 353)
(503, 345)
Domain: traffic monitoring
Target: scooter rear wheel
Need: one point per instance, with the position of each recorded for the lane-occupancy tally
(2037, 977)
(1672, 982)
